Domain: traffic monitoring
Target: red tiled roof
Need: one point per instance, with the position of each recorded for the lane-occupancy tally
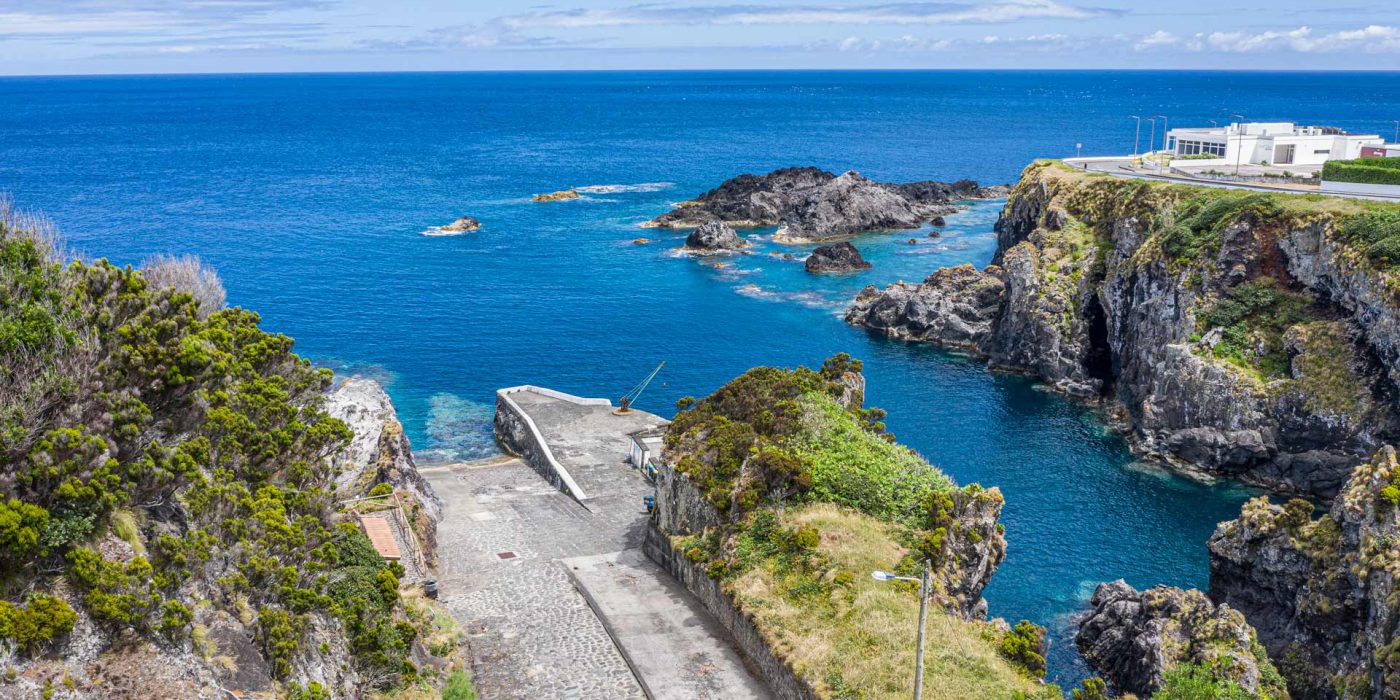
(381, 536)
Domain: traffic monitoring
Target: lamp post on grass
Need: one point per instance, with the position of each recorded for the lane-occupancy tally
(1137, 134)
(1239, 150)
(924, 586)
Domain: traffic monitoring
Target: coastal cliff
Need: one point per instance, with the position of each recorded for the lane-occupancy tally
(1244, 334)
(1323, 593)
(810, 204)
(780, 492)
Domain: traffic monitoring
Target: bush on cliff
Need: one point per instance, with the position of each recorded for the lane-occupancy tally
(203, 430)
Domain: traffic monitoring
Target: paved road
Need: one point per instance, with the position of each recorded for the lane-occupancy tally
(1114, 167)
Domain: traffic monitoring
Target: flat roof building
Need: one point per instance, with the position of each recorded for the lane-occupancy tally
(1277, 144)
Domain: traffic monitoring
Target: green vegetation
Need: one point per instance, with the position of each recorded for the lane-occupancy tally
(1376, 233)
(1193, 229)
(459, 687)
(149, 414)
(1197, 682)
(816, 495)
(1254, 316)
(1371, 171)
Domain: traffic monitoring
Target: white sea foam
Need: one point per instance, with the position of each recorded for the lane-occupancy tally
(811, 300)
(437, 231)
(614, 189)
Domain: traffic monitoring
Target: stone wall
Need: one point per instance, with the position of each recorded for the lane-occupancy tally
(518, 435)
(682, 510)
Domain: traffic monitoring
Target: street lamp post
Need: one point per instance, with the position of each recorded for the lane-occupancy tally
(1397, 130)
(1137, 134)
(1164, 129)
(1152, 135)
(924, 589)
(1239, 149)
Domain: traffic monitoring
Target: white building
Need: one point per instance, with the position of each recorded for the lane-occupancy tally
(1278, 144)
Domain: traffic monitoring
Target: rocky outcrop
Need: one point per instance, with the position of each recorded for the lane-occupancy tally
(380, 453)
(560, 196)
(465, 224)
(809, 204)
(714, 237)
(955, 307)
(838, 257)
(1233, 334)
(1136, 638)
(1324, 593)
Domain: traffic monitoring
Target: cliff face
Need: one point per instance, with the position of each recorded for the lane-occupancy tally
(1322, 593)
(1234, 333)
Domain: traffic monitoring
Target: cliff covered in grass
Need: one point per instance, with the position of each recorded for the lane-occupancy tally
(782, 492)
(167, 510)
(1248, 334)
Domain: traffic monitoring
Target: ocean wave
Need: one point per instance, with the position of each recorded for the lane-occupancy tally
(438, 232)
(811, 300)
(614, 189)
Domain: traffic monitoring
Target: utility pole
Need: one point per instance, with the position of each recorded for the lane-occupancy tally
(1137, 135)
(1397, 131)
(923, 615)
(925, 588)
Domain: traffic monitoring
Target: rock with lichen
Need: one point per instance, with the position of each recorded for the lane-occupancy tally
(1136, 638)
(1324, 593)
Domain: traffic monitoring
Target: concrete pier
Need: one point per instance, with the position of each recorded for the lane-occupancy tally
(513, 530)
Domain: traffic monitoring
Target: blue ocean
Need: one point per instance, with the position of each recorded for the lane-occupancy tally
(309, 194)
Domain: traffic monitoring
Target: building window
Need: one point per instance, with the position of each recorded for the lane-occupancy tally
(1323, 152)
(1196, 148)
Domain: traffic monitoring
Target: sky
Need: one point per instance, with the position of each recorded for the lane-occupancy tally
(201, 36)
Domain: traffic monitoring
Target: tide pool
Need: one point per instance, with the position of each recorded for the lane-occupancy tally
(309, 194)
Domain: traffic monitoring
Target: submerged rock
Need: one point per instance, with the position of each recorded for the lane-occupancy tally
(1324, 593)
(641, 241)
(557, 196)
(714, 237)
(839, 257)
(809, 204)
(1136, 638)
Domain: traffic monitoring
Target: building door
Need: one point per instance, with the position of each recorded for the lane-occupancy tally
(1283, 154)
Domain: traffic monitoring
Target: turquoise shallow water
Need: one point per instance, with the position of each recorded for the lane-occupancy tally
(309, 194)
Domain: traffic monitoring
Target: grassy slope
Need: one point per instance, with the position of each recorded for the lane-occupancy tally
(800, 564)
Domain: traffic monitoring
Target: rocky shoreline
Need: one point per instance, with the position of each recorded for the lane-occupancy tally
(812, 205)
(1228, 334)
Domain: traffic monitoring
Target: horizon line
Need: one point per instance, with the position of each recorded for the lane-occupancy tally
(518, 71)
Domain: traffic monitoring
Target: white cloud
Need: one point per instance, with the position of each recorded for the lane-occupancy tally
(889, 14)
(1157, 39)
(1371, 39)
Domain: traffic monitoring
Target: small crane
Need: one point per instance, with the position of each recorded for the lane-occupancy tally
(629, 398)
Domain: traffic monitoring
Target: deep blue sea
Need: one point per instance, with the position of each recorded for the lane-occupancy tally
(309, 194)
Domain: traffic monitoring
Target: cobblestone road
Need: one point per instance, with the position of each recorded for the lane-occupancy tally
(504, 528)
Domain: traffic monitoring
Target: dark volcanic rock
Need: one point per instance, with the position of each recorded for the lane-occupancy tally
(1324, 594)
(1090, 302)
(1135, 638)
(838, 257)
(955, 307)
(714, 237)
(809, 204)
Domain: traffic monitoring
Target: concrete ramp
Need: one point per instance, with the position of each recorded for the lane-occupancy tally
(675, 648)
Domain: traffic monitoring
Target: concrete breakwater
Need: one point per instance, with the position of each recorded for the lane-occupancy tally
(682, 510)
(518, 433)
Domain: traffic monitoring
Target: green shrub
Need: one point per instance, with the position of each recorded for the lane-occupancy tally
(39, 621)
(1197, 682)
(458, 687)
(1092, 689)
(1024, 646)
(1370, 171)
(1253, 316)
(381, 490)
